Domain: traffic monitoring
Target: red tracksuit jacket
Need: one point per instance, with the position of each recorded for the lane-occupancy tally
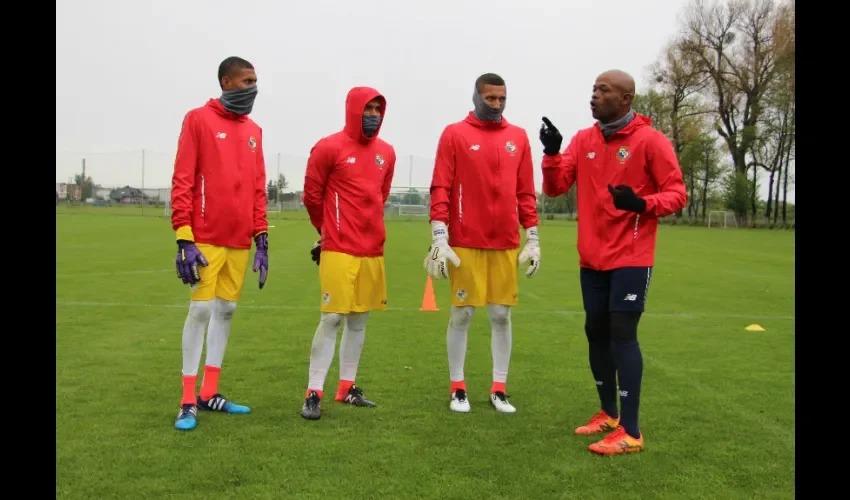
(348, 182)
(639, 156)
(218, 190)
(483, 184)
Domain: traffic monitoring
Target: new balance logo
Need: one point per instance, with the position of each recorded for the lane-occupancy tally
(350, 159)
(475, 147)
(631, 297)
(624, 394)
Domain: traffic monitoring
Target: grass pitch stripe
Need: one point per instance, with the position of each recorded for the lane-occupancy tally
(564, 312)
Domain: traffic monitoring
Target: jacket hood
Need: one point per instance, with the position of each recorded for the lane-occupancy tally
(475, 122)
(216, 106)
(355, 105)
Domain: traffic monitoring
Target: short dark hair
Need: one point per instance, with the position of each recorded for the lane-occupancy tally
(489, 79)
(231, 64)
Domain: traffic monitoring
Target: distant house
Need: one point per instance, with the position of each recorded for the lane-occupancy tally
(64, 191)
(128, 195)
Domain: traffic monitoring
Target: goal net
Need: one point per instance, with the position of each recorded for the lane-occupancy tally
(720, 218)
(418, 210)
(409, 201)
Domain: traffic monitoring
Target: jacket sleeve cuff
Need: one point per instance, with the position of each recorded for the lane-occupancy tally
(259, 233)
(185, 233)
(551, 161)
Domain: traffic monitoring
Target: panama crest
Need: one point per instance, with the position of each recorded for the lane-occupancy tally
(510, 147)
(379, 161)
(623, 153)
(252, 143)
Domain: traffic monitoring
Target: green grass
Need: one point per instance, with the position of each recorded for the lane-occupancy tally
(717, 402)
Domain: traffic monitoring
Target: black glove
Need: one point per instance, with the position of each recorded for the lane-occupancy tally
(626, 199)
(316, 251)
(550, 137)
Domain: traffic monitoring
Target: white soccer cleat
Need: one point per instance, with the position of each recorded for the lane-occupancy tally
(500, 403)
(459, 402)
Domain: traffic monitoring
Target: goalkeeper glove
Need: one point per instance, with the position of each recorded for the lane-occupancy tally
(188, 258)
(531, 251)
(261, 257)
(316, 252)
(439, 251)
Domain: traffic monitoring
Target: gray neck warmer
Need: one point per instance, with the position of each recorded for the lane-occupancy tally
(483, 111)
(239, 101)
(608, 129)
(370, 124)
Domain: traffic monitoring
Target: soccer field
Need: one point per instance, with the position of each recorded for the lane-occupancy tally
(717, 402)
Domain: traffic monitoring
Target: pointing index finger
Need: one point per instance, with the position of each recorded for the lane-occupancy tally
(547, 122)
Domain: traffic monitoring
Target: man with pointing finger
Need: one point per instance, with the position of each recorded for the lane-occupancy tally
(628, 176)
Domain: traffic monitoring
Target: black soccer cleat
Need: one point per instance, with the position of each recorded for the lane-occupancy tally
(222, 404)
(355, 397)
(312, 409)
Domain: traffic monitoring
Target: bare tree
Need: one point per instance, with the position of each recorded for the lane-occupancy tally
(733, 43)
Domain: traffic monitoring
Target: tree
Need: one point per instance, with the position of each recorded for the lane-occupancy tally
(86, 186)
(734, 46)
(700, 164)
(276, 187)
(680, 79)
(655, 106)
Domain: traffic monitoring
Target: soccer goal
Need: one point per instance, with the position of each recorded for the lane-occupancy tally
(722, 218)
(416, 210)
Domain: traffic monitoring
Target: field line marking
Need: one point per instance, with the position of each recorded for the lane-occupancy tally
(563, 312)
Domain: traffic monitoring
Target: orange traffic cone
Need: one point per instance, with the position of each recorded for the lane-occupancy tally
(429, 302)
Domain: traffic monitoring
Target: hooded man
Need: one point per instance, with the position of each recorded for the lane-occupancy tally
(346, 185)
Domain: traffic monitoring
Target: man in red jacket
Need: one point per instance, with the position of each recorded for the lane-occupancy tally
(346, 185)
(482, 191)
(218, 205)
(627, 176)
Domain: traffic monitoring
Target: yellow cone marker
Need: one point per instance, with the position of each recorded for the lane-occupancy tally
(754, 328)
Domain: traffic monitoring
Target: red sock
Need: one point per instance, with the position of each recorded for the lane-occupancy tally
(189, 382)
(209, 387)
(317, 391)
(498, 387)
(460, 384)
(342, 389)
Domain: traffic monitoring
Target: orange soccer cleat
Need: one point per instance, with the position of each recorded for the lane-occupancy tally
(617, 442)
(600, 422)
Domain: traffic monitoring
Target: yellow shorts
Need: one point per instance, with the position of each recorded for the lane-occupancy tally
(484, 277)
(225, 274)
(352, 284)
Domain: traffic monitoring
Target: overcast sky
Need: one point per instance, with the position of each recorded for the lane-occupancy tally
(128, 70)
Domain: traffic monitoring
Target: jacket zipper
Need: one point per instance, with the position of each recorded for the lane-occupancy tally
(460, 204)
(495, 192)
(203, 198)
(336, 205)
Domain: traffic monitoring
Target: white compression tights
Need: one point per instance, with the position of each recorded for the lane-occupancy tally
(218, 313)
(500, 344)
(350, 347)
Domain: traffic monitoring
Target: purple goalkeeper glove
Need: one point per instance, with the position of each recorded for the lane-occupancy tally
(261, 258)
(188, 258)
